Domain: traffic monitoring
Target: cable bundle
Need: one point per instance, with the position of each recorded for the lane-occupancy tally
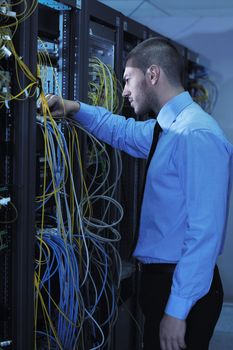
(203, 90)
(78, 266)
(23, 92)
(10, 15)
(87, 263)
(104, 87)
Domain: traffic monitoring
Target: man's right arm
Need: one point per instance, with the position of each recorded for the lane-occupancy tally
(127, 135)
(60, 107)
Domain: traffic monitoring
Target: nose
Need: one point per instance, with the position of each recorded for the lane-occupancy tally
(125, 92)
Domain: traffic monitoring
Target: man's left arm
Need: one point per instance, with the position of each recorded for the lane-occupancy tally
(203, 164)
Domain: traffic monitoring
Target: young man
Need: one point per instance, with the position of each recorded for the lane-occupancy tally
(185, 201)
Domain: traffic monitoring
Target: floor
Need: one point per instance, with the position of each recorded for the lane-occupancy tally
(222, 341)
(223, 336)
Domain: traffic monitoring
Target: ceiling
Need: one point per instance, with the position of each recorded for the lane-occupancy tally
(196, 8)
(205, 26)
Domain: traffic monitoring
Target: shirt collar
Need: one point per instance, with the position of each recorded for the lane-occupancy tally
(170, 111)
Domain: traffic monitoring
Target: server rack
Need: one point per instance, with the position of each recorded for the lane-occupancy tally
(104, 34)
(104, 26)
(6, 192)
(58, 42)
(18, 173)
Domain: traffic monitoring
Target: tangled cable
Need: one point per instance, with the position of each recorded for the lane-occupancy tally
(78, 267)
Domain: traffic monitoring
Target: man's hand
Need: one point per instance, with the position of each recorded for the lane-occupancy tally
(60, 107)
(172, 333)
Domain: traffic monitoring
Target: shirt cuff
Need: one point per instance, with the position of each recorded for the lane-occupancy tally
(178, 307)
(85, 114)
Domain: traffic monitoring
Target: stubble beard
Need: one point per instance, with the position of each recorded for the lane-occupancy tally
(144, 106)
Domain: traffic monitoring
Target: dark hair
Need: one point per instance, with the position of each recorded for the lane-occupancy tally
(159, 51)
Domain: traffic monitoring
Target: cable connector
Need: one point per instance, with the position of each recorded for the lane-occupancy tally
(5, 11)
(5, 37)
(5, 343)
(7, 53)
(4, 202)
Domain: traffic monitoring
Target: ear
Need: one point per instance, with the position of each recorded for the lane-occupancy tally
(153, 73)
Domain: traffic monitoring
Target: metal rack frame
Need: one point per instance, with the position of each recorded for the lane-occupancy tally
(24, 182)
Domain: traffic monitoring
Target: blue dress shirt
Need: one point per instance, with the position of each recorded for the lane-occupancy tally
(185, 205)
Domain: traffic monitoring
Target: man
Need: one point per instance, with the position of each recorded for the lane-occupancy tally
(185, 201)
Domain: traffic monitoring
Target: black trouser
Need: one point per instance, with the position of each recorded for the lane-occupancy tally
(202, 318)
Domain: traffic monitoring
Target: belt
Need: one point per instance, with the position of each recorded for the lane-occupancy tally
(156, 268)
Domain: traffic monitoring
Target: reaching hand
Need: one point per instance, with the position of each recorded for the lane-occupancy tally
(172, 333)
(60, 107)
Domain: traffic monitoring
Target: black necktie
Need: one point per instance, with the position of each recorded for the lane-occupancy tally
(157, 130)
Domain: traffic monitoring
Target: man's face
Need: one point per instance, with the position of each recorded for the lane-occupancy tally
(136, 89)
